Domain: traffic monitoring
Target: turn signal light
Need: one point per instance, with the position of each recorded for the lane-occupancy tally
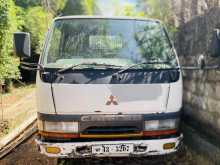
(52, 150)
(168, 146)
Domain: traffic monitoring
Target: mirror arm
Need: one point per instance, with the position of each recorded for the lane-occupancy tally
(198, 68)
(212, 67)
(28, 63)
(190, 68)
(31, 66)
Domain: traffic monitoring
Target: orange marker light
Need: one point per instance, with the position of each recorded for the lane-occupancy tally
(168, 146)
(53, 150)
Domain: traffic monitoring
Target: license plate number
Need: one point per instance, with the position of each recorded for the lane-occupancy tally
(112, 148)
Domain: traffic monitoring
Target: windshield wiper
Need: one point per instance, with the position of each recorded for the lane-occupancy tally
(81, 64)
(115, 75)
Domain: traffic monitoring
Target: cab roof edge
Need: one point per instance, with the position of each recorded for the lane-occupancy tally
(105, 17)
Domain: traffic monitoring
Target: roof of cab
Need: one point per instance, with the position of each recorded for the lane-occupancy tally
(105, 17)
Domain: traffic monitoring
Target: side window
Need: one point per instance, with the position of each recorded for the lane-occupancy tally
(54, 46)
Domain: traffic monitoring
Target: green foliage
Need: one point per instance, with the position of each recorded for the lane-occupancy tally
(36, 22)
(27, 3)
(78, 7)
(37, 16)
(54, 7)
(129, 10)
(161, 10)
(9, 23)
(118, 8)
(90, 7)
(73, 7)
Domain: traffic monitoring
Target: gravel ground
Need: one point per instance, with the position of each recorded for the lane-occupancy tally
(27, 154)
(18, 107)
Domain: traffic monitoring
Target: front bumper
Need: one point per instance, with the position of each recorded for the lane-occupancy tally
(69, 149)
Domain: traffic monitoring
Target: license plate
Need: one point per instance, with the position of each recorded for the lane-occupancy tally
(112, 148)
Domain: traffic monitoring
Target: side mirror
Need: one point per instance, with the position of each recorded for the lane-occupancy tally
(22, 44)
(215, 44)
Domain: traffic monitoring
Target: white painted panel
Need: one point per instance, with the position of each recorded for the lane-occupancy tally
(131, 98)
(44, 97)
(175, 96)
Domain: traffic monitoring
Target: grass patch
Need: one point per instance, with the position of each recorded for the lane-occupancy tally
(16, 94)
(4, 127)
(17, 120)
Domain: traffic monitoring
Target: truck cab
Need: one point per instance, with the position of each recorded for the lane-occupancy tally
(108, 87)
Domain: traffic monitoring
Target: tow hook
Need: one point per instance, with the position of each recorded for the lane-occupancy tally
(84, 150)
(140, 148)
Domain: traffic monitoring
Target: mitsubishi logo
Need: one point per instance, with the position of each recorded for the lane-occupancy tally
(112, 100)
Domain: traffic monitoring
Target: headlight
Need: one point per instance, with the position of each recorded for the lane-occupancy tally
(168, 124)
(62, 127)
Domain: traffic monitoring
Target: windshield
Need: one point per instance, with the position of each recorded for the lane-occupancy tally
(108, 41)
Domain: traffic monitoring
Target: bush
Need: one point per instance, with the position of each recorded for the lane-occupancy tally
(8, 25)
(36, 22)
(158, 9)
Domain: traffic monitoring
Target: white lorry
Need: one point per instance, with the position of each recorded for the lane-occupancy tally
(106, 87)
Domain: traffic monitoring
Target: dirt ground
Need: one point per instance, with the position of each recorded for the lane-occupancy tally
(16, 107)
(16, 94)
(27, 154)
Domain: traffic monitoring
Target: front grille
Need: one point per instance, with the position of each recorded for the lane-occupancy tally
(111, 130)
